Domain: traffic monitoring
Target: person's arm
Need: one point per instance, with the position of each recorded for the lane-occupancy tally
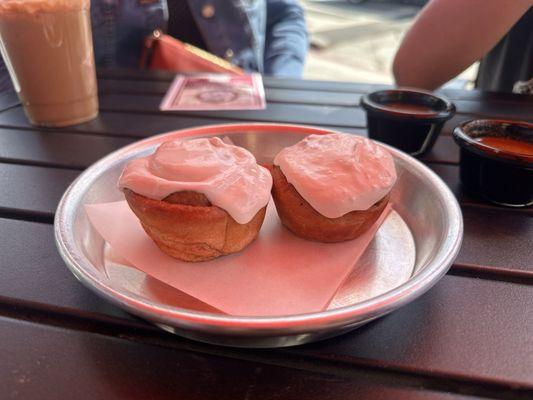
(286, 39)
(449, 35)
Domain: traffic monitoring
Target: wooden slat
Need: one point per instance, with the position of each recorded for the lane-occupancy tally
(135, 125)
(31, 270)
(285, 113)
(289, 113)
(353, 87)
(32, 190)
(134, 74)
(477, 106)
(75, 150)
(497, 239)
(496, 109)
(116, 124)
(78, 151)
(463, 327)
(323, 86)
(484, 96)
(69, 150)
(49, 363)
(143, 87)
(269, 82)
(275, 95)
(139, 126)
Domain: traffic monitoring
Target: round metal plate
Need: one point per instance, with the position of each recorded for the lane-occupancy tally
(413, 249)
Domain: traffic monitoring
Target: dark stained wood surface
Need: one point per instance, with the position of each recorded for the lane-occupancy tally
(497, 239)
(394, 341)
(456, 329)
(32, 189)
(30, 266)
(140, 125)
(112, 368)
(277, 112)
(55, 149)
(470, 336)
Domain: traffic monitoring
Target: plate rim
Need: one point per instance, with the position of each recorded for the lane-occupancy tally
(293, 323)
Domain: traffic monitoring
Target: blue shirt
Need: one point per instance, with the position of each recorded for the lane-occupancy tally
(268, 36)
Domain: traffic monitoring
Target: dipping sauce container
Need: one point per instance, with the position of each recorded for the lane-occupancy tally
(407, 119)
(496, 160)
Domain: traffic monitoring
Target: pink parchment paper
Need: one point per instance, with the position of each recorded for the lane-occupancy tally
(278, 274)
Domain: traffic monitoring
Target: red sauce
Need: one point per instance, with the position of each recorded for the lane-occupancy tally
(410, 108)
(508, 145)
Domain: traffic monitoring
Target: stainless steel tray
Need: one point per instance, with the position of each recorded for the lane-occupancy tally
(413, 249)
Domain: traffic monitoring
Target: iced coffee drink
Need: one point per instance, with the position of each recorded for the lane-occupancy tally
(47, 47)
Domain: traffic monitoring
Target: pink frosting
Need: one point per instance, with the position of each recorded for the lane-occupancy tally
(338, 173)
(227, 175)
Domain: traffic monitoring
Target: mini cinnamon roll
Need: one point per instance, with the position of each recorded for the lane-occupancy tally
(198, 199)
(332, 188)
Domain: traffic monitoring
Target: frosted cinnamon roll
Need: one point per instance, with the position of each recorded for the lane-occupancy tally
(198, 199)
(332, 188)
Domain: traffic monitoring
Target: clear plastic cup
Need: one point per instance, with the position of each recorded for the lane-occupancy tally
(47, 47)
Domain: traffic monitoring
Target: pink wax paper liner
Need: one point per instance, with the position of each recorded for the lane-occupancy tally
(151, 287)
(278, 274)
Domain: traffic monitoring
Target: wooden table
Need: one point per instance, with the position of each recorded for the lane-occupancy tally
(470, 336)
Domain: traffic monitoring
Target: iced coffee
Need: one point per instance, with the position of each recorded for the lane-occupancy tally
(47, 47)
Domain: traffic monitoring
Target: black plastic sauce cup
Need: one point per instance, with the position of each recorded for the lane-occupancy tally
(407, 119)
(496, 175)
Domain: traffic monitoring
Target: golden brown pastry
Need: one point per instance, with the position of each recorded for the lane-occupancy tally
(198, 199)
(185, 225)
(304, 221)
(332, 188)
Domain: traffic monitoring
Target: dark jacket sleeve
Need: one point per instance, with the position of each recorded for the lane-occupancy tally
(286, 39)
